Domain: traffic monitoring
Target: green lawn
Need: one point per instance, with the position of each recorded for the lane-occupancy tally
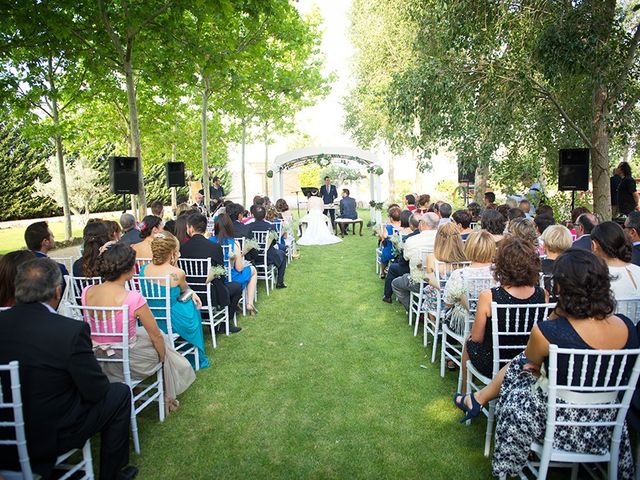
(326, 382)
(13, 238)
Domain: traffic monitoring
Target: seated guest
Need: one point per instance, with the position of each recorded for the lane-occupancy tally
(200, 205)
(474, 209)
(274, 255)
(94, 236)
(610, 244)
(170, 226)
(445, 214)
(545, 210)
(525, 207)
(585, 321)
(517, 271)
(555, 239)
(131, 234)
(150, 225)
(114, 230)
(147, 344)
(224, 294)
(504, 211)
(348, 206)
(66, 399)
(157, 209)
(462, 220)
(542, 222)
(479, 249)
(493, 222)
(514, 213)
(40, 240)
(236, 212)
(242, 272)
(575, 213)
(490, 200)
(287, 222)
(185, 315)
(448, 248)
(181, 226)
(9, 264)
(424, 201)
(632, 229)
(388, 252)
(585, 223)
(185, 207)
(524, 229)
(400, 265)
(410, 200)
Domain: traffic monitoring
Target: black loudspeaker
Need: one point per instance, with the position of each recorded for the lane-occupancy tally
(466, 174)
(175, 174)
(123, 174)
(573, 170)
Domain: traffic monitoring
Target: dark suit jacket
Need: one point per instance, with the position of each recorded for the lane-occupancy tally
(635, 255)
(274, 256)
(241, 230)
(328, 196)
(583, 242)
(59, 375)
(348, 208)
(131, 237)
(200, 247)
(63, 269)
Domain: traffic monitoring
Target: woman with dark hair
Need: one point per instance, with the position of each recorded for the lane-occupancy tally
(147, 344)
(170, 226)
(94, 236)
(287, 224)
(405, 227)
(517, 271)
(627, 194)
(181, 228)
(609, 242)
(474, 209)
(493, 222)
(8, 268)
(424, 201)
(388, 253)
(149, 226)
(462, 220)
(585, 320)
(113, 229)
(410, 199)
(242, 271)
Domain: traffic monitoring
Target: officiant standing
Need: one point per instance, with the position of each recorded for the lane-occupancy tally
(329, 193)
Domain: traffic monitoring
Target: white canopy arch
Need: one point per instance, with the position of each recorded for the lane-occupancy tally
(326, 155)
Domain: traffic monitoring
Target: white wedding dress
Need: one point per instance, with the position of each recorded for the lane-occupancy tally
(318, 231)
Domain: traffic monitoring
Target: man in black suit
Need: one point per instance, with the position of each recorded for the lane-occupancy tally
(224, 294)
(632, 229)
(66, 397)
(584, 224)
(329, 193)
(131, 234)
(274, 255)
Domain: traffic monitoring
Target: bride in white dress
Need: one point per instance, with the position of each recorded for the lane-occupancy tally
(318, 231)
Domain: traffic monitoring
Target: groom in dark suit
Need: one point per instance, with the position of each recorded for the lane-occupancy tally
(348, 209)
(329, 193)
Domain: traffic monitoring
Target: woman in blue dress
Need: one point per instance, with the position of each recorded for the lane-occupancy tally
(186, 320)
(242, 271)
(387, 251)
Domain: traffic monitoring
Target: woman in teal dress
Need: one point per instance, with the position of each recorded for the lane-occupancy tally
(186, 320)
(242, 272)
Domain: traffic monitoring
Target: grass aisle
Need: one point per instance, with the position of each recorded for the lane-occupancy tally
(326, 382)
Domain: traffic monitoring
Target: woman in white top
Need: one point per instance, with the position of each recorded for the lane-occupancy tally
(609, 242)
(317, 231)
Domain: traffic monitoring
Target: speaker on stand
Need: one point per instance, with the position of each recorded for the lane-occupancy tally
(573, 171)
(175, 174)
(123, 177)
(466, 175)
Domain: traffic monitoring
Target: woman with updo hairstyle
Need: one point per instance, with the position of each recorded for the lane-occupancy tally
(147, 344)
(149, 226)
(288, 236)
(9, 263)
(493, 222)
(517, 272)
(584, 321)
(525, 229)
(609, 242)
(94, 236)
(186, 320)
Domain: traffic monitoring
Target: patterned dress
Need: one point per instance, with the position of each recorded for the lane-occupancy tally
(521, 412)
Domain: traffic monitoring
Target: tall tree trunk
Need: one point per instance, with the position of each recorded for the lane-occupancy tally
(266, 158)
(205, 142)
(60, 155)
(135, 131)
(600, 155)
(243, 165)
(174, 190)
(392, 179)
(482, 177)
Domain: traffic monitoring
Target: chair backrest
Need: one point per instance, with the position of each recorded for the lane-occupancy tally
(240, 241)
(103, 322)
(473, 286)
(140, 262)
(262, 238)
(14, 404)
(474, 225)
(78, 284)
(66, 261)
(278, 224)
(443, 271)
(197, 270)
(211, 225)
(511, 326)
(226, 251)
(157, 292)
(600, 380)
(630, 307)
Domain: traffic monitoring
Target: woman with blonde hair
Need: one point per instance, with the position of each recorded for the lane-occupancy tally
(525, 229)
(185, 304)
(555, 240)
